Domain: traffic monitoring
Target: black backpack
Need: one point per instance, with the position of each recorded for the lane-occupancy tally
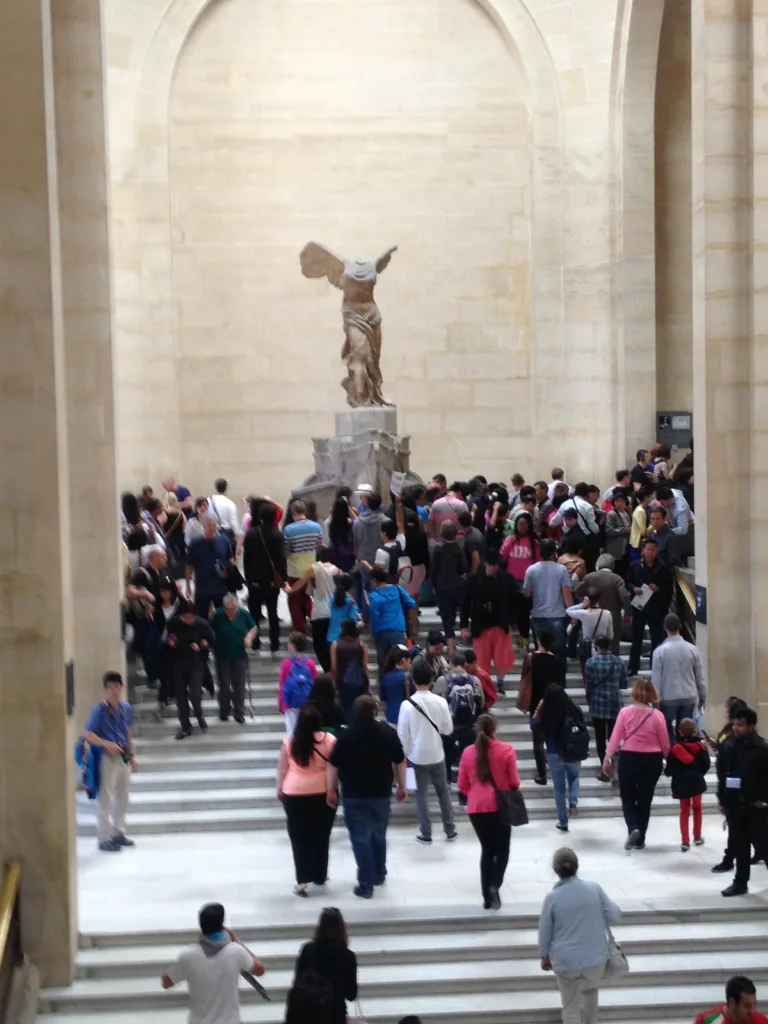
(575, 739)
(311, 1000)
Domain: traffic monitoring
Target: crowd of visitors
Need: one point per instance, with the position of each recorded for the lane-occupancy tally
(560, 572)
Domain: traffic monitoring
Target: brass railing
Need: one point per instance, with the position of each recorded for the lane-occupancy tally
(685, 606)
(10, 931)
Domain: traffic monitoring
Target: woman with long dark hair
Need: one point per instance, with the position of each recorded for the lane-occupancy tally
(393, 681)
(301, 786)
(555, 713)
(329, 956)
(542, 667)
(340, 535)
(320, 580)
(323, 696)
(519, 551)
(265, 570)
(349, 667)
(486, 766)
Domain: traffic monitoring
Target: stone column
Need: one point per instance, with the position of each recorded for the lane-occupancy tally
(37, 818)
(82, 172)
(721, 101)
(759, 356)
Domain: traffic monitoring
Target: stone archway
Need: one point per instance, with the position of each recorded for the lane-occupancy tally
(154, 229)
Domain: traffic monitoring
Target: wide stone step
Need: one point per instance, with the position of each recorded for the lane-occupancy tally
(459, 977)
(424, 947)
(669, 1004)
(241, 818)
(212, 772)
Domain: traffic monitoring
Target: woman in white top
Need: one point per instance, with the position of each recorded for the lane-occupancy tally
(320, 577)
(595, 621)
(194, 528)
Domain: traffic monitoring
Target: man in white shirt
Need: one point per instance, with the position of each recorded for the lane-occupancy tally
(558, 477)
(212, 969)
(224, 508)
(423, 721)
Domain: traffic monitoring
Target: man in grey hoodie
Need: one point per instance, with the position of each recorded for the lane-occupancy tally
(366, 535)
(212, 969)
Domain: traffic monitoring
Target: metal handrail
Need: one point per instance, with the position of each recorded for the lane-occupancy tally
(9, 894)
(685, 587)
(10, 931)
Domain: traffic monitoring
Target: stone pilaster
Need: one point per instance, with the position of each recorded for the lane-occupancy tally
(82, 172)
(37, 819)
(721, 100)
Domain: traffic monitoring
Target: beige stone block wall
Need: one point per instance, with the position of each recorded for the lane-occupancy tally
(674, 331)
(485, 128)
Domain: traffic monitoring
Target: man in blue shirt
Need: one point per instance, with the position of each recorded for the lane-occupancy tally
(109, 727)
(207, 560)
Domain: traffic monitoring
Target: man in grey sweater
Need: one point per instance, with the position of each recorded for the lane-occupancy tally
(366, 536)
(573, 937)
(677, 674)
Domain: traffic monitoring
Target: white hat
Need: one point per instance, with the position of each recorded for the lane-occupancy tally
(364, 489)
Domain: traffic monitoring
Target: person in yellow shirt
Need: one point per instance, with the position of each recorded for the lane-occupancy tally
(639, 522)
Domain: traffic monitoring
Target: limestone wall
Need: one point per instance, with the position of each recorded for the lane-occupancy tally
(481, 137)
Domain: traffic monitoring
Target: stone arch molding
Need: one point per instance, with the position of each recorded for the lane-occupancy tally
(527, 47)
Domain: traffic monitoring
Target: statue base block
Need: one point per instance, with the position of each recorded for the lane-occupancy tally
(366, 449)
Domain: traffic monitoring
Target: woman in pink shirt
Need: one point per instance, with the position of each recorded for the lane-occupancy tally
(519, 550)
(486, 762)
(301, 786)
(641, 737)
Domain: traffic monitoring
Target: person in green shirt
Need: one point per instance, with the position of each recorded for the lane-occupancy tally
(235, 632)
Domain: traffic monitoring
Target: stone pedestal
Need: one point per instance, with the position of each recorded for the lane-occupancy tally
(366, 449)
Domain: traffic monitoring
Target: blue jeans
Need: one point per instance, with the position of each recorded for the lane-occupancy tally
(366, 819)
(674, 712)
(386, 639)
(362, 581)
(558, 627)
(563, 773)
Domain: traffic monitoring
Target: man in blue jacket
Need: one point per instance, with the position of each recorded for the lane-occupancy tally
(389, 609)
(109, 727)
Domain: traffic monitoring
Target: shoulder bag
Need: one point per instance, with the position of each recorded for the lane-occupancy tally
(277, 579)
(512, 809)
(616, 966)
(617, 755)
(585, 646)
(525, 692)
(421, 711)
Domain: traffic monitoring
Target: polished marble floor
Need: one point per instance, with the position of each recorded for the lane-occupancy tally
(164, 880)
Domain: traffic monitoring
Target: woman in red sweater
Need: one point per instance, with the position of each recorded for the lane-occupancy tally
(486, 762)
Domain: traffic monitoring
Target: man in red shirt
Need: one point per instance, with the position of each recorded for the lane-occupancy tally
(741, 1000)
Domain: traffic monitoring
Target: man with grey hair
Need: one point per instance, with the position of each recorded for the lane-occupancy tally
(614, 596)
(573, 938)
(207, 560)
(235, 632)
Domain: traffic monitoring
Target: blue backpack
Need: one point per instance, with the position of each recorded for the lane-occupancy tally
(298, 684)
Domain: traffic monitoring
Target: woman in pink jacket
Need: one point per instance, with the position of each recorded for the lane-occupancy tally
(486, 762)
(641, 736)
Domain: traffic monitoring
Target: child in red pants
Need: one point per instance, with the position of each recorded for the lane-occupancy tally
(687, 764)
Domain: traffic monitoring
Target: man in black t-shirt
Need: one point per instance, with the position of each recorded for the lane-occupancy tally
(641, 474)
(365, 759)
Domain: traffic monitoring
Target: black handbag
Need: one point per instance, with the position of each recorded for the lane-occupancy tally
(512, 809)
(585, 646)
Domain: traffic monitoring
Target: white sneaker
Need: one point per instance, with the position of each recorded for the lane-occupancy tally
(264, 652)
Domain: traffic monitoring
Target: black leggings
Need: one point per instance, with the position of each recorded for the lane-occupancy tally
(524, 605)
(603, 729)
(266, 594)
(638, 775)
(320, 642)
(494, 839)
(309, 820)
(539, 752)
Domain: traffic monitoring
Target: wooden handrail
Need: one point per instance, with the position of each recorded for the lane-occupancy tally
(688, 594)
(9, 893)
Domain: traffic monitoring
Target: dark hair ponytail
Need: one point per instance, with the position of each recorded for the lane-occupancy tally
(485, 728)
(343, 583)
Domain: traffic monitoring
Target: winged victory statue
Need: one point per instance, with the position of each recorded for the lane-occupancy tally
(362, 321)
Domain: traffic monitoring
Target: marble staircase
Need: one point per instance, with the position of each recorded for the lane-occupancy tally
(447, 965)
(225, 779)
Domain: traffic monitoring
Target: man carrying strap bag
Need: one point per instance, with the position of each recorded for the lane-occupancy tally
(574, 930)
(423, 720)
